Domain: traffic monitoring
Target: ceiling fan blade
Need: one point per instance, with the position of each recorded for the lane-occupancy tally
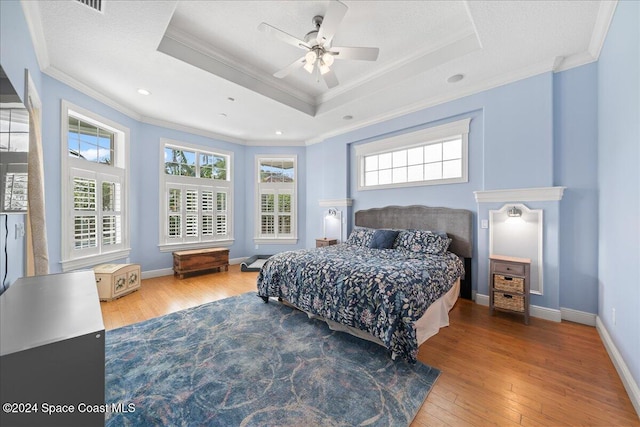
(331, 22)
(330, 79)
(360, 53)
(298, 63)
(282, 36)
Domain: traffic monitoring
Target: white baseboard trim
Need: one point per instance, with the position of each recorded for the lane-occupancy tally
(150, 274)
(623, 371)
(534, 310)
(576, 316)
(545, 313)
(482, 299)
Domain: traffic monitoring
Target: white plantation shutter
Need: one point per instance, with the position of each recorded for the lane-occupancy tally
(221, 213)
(207, 213)
(96, 216)
(276, 199)
(94, 190)
(196, 200)
(196, 214)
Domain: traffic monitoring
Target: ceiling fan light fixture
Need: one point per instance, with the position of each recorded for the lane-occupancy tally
(311, 57)
(324, 68)
(327, 58)
(309, 66)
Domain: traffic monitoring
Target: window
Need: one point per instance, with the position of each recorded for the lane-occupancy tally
(437, 155)
(14, 147)
(276, 199)
(196, 197)
(94, 190)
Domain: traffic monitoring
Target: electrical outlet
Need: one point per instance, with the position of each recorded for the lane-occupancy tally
(484, 223)
(257, 247)
(19, 230)
(613, 315)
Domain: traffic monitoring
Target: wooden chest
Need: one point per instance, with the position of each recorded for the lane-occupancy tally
(116, 280)
(199, 260)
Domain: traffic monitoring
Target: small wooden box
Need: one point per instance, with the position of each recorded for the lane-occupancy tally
(116, 280)
(199, 260)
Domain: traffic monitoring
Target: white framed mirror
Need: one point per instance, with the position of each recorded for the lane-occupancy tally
(515, 230)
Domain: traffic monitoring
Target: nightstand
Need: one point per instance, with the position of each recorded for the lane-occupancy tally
(325, 242)
(509, 284)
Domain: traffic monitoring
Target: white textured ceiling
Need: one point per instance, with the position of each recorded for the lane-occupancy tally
(195, 55)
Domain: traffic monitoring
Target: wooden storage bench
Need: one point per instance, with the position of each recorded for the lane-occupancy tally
(200, 260)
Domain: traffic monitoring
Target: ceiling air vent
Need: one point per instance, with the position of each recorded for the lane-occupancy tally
(93, 4)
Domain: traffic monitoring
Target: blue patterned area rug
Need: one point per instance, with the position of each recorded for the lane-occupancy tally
(241, 362)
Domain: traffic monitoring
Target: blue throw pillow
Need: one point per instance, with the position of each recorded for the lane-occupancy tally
(360, 236)
(383, 239)
(421, 241)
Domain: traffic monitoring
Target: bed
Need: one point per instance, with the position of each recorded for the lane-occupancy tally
(396, 291)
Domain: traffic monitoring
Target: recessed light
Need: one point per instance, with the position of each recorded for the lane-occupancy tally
(222, 115)
(347, 117)
(455, 78)
(142, 91)
(230, 99)
(278, 132)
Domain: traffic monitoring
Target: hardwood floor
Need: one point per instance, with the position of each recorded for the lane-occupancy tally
(495, 369)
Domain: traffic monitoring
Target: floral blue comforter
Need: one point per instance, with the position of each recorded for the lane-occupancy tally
(380, 291)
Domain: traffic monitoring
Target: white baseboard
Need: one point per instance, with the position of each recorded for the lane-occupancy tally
(623, 371)
(150, 274)
(482, 299)
(576, 316)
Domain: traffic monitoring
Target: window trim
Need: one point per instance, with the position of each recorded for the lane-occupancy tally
(194, 182)
(121, 157)
(289, 239)
(422, 137)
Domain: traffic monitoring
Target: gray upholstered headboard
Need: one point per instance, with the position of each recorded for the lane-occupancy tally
(457, 223)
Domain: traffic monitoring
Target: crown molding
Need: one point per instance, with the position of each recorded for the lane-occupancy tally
(541, 194)
(192, 130)
(91, 92)
(183, 47)
(192, 42)
(31, 10)
(328, 203)
(456, 44)
(601, 27)
(494, 82)
(274, 143)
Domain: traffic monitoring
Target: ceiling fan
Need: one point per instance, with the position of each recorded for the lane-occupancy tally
(320, 54)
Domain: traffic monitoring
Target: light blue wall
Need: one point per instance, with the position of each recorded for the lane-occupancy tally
(575, 167)
(145, 193)
(619, 183)
(52, 95)
(511, 145)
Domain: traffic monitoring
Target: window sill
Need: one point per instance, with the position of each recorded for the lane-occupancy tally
(171, 247)
(275, 241)
(90, 261)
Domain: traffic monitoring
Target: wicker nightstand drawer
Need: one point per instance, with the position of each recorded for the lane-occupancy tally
(508, 302)
(509, 284)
